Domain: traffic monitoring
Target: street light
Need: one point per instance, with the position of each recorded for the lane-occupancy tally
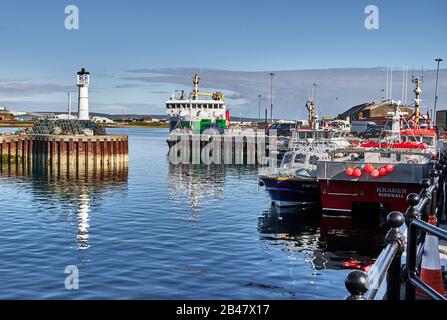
(438, 60)
(271, 74)
(337, 105)
(259, 110)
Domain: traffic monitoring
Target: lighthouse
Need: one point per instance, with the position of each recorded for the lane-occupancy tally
(83, 83)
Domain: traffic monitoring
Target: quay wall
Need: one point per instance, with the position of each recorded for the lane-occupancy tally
(64, 152)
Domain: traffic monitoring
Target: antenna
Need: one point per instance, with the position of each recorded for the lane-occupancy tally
(391, 83)
(403, 84)
(387, 83)
(69, 105)
(422, 75)
(406, 85)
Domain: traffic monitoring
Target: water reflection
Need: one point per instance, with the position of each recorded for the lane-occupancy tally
(322, 242)
(325, 243)
(83, 217)
(199, 183)
(73, 193)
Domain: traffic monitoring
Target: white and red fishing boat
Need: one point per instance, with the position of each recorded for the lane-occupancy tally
(294, 182)
(380, 174)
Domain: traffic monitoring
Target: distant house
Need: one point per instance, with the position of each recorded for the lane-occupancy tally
(5, 114)
(30, 117)
(65, 116)
(103, 120)
(151, 120)
(376, 112)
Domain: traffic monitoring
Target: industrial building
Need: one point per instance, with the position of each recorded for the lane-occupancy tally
(376, 112)
(441, 119)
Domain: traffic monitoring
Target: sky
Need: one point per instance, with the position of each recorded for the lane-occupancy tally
(138, 52)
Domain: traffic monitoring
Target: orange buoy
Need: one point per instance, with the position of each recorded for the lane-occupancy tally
(375, 173)
(349, 171)
(389, 168)
(369, 168)
(357, 172)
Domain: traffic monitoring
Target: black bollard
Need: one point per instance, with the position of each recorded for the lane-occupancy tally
(357, 283)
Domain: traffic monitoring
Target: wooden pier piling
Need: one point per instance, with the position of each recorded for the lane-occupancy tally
(63, 153)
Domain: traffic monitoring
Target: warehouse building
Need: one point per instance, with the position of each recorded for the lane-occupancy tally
(376, 112)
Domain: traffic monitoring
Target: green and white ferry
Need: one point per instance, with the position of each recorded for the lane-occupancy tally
(198, 111)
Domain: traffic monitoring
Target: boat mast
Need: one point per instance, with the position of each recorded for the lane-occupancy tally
(417, 101)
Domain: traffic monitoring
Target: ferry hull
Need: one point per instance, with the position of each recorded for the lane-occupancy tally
(286, 192)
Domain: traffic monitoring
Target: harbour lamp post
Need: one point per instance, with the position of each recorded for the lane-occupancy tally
(266, 126)
(438, 60)
(259, 110)
(271, 74)
(337, 105)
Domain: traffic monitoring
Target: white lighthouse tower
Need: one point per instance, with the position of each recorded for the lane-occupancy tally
(83, 83)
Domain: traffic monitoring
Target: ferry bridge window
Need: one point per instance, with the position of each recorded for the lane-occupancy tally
(385, 155)
(194, 106)
(168, 106)
(302, 135)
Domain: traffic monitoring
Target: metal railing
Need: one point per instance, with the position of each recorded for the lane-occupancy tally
(364, 286)
(431, 200)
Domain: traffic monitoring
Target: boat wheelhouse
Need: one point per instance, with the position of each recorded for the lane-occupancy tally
(332, 139)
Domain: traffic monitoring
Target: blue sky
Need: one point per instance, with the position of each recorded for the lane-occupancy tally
(118, 39)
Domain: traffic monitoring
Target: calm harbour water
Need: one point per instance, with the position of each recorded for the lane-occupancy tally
(158, 231)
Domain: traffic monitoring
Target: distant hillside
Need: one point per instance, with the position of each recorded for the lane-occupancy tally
(117, 117)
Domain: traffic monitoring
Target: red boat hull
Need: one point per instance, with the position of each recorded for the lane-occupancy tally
(344, 196)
